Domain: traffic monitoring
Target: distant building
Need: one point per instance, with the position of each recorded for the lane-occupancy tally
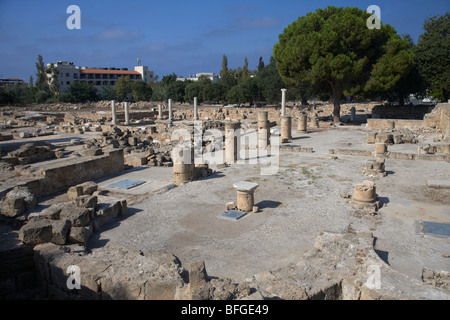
(10, 81)
(99, 77)
(210, 76)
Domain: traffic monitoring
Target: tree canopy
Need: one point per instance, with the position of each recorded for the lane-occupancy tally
(333, 50)
(433, 55)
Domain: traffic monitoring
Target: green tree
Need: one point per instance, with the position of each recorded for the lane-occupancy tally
(260, 64)
(226, 75)
(170, 78)
(193, 89)
(6, 96)
(433, 55)
(245, 72)
(141, 90)
(175, 91)
(159, 91)
(123, 88)
(81, 91)
(52, 72)
(331, 49)
(270, 83)
(108, 93)
(41, 76)
(389, 75)
(237, 94)
(214, 92)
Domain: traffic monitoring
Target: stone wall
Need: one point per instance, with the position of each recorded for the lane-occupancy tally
(398, 112)
(339, 266)
(55, 177)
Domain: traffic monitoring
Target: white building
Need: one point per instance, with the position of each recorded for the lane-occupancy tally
(210, 76)
(99, 77)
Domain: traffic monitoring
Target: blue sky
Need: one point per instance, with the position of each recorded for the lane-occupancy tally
(184, 37)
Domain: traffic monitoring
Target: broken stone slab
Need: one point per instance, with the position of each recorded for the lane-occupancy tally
(108, 212)
(80, 235)
(439, 184)
(245, 186)
(198, 276)
(79, 217)
(86, 201)
(86, 188)
(50, 213)
(17, 201)
(90, 152)
(60, 230)
(36, 231)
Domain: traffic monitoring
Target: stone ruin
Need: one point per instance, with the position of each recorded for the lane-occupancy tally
(46, 242)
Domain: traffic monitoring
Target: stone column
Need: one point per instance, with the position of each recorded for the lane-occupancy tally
(314, 122)
(231, 146)
(113, 111)
(286, 125)
(283, 102)
(245, 195)
(263, 129)
(364, 192)
(127, 114)
(183, 164)
(195, 109)
(302, 123)
(160, 112)
(170, 110)
(353, 114)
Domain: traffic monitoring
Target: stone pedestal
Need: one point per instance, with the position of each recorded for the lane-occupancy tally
(302, 124)
(286, 129)
(183, 164)
(263, 130)
(231, 144)
(314, 122)
(375, 167)
(195, 109)
(113, 111)
(380, 149)
(127, 114)
(245, 195)
(283, 102)
(364, 193)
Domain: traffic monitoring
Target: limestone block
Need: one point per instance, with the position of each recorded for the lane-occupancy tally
(198, 276)
(86, 201)
(79, 217)
(93, 151)
(60, 230)
(17, 201)
(50, 213)
(89, 187)
(74, 192)
(36, 231)
(371, 137)
(80, 235)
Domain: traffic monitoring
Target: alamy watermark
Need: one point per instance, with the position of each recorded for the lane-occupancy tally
(374, 279)
(74, 280)
(374, 21)
(74, 20)
(241, 147)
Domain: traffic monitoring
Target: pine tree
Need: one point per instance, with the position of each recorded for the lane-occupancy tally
(245, 73)
(260, 64)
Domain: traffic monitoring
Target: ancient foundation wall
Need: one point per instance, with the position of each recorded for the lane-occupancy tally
(61, 176)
